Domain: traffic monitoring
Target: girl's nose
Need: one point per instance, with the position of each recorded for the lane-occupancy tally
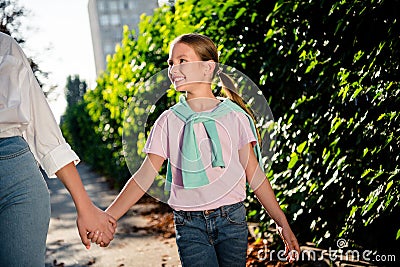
(174, 69)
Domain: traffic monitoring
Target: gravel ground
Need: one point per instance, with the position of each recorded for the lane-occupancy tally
(133, 245)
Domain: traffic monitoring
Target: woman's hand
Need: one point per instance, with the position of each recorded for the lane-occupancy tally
(133, 190)
(90, 218)
(97, 225)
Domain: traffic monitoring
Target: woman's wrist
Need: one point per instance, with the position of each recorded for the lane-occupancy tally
(84, 205)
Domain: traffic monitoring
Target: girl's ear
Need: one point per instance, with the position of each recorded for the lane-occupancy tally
(209, 67)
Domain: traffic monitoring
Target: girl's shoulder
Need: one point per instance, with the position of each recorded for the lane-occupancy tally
(237, 115)
(166, 115)
(239, 120)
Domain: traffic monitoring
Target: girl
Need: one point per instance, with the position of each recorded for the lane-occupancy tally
(212, 148)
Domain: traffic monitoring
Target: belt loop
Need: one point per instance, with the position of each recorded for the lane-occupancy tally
(223, 211)
(188, 215)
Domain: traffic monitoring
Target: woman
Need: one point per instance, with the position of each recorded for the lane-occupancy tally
(29, 137)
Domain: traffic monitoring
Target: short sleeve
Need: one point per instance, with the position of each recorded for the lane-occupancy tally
(246, 134)
(157, 142)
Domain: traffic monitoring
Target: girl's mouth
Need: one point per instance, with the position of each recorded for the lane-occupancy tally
(178, 79)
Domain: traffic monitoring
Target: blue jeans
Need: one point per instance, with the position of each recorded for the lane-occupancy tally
(212, 238)
(24, 206)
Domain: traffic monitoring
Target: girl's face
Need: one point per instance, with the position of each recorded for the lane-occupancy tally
(185, 67)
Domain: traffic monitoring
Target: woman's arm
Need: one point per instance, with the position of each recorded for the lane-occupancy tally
(264, 192)
(90, 218)
(136, 186)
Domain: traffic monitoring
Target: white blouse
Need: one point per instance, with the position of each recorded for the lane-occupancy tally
(25, 112)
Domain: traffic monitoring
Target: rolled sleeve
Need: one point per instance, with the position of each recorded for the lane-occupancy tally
(58, 158)
(43, 134)
(24, 110)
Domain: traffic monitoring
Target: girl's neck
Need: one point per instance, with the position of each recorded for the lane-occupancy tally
(200, 101)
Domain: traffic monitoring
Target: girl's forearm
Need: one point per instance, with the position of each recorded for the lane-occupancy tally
(268, 200)
(261, 186)
(129, 195)
(137, 185)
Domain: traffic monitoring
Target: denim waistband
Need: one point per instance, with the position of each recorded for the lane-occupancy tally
(223, 210)
(11, 147)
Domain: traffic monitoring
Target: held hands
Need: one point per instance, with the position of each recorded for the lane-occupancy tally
(292, 249)
(98, 224)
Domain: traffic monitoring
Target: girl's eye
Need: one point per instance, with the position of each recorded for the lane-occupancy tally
(171, 63)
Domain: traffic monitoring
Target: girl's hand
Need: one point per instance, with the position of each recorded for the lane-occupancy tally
(94, 220)
(292, 249)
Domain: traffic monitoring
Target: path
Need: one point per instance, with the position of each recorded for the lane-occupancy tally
(133, 245)
(130, 247)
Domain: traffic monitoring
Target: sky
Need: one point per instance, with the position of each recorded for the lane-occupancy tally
(58, 38)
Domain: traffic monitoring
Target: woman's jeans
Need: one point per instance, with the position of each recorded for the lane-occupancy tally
(212, 238)
(24, 206)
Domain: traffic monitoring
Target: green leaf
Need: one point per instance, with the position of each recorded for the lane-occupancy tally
(269, 34)
(252, 213)
(353, 211)
(311, 66)
(300, 148)
(240, 12)
(293, 160)
(253, 17)
(389, 185)
(355, 94)
(365, 151)
(365, 173)
(313, 186)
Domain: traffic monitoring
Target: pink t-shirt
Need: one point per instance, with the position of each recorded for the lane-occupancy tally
(226, 185)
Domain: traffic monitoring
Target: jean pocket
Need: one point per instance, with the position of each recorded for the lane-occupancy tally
(179, 219)
(237, 215)
(12, 147)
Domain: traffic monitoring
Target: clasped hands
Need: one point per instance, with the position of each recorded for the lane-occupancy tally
(102, 238)
(96, 226)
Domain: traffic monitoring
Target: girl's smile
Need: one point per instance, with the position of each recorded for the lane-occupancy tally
(185, 68)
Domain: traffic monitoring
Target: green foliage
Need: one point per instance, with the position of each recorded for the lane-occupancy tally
(329, 72)
(75, 90)
(10, 19)
(338, 155)
(11, 14)
(136, 59)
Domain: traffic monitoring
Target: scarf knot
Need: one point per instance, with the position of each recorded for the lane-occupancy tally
(193, 171)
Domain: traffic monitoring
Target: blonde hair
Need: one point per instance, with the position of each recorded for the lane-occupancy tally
(205, 48)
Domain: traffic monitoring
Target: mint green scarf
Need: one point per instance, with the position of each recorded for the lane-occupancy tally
(193, 172)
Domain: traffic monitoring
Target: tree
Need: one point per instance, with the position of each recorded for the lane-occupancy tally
(10, 23)
(75, 90)
(335, 66)
(10, 15)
